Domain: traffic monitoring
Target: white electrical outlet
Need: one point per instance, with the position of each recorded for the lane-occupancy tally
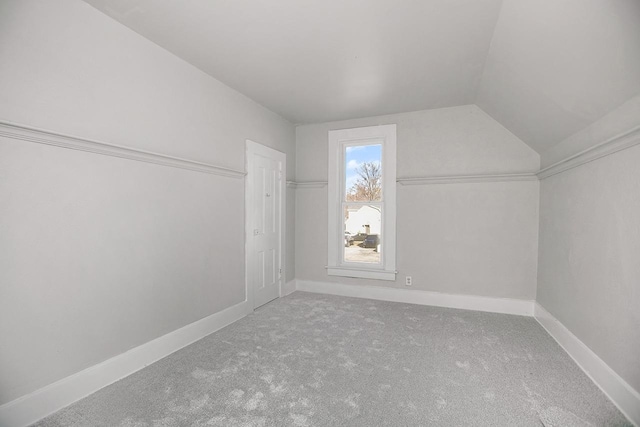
(407, 281)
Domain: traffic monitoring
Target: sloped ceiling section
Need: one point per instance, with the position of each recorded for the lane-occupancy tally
(545, 69)
(323, 60)
(556, 66)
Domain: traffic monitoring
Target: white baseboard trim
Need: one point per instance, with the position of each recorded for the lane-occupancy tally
(30, 408)
(465, 302)
(289, 287)
(618, 390)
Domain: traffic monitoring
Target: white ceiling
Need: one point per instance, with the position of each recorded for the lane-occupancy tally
(543, 68)
(556, 66)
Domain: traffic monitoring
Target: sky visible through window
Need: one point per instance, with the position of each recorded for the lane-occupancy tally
(355, 156)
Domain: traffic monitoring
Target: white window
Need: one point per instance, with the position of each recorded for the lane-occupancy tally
(362, 202)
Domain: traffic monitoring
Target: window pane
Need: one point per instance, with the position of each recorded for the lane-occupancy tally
(363, 173)
(362, 233)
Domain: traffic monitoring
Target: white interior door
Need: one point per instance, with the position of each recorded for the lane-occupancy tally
(265, 209)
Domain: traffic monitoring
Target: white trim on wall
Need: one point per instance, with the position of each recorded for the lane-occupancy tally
(414, 296)
(432, 180)
(618, 390)
(32, 407)
(464, 179)
(359, 273)
(619, 142)
(42, 136)
(612, 145)
(307, 184)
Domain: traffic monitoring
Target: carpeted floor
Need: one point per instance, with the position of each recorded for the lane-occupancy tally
(318, 360)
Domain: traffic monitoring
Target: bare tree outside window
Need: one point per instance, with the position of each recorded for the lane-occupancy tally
(368, 186)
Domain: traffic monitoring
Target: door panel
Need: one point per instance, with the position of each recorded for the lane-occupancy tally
(265, 274)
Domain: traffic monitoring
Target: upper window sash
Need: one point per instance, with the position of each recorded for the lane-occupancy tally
(348, 149)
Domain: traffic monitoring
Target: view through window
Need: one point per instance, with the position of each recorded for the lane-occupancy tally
(362, 203)
(361, 191)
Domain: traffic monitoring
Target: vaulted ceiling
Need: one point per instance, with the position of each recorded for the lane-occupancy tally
(544, 69)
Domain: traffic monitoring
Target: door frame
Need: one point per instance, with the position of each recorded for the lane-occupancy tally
(251, 148)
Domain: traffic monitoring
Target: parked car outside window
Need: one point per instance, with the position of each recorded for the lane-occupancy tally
(371, 241)
(359, 237)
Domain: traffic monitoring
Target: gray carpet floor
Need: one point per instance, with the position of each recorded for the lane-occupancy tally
(319, 360)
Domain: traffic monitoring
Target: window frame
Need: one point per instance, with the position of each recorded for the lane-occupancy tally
(338, 140)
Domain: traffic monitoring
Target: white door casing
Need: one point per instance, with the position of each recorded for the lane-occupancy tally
(264, 219)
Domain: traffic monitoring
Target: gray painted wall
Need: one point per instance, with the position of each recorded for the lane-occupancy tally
(476, 239)
(589, 269)
(101, 254)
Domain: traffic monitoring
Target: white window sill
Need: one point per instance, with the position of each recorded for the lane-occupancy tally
(362, 273)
